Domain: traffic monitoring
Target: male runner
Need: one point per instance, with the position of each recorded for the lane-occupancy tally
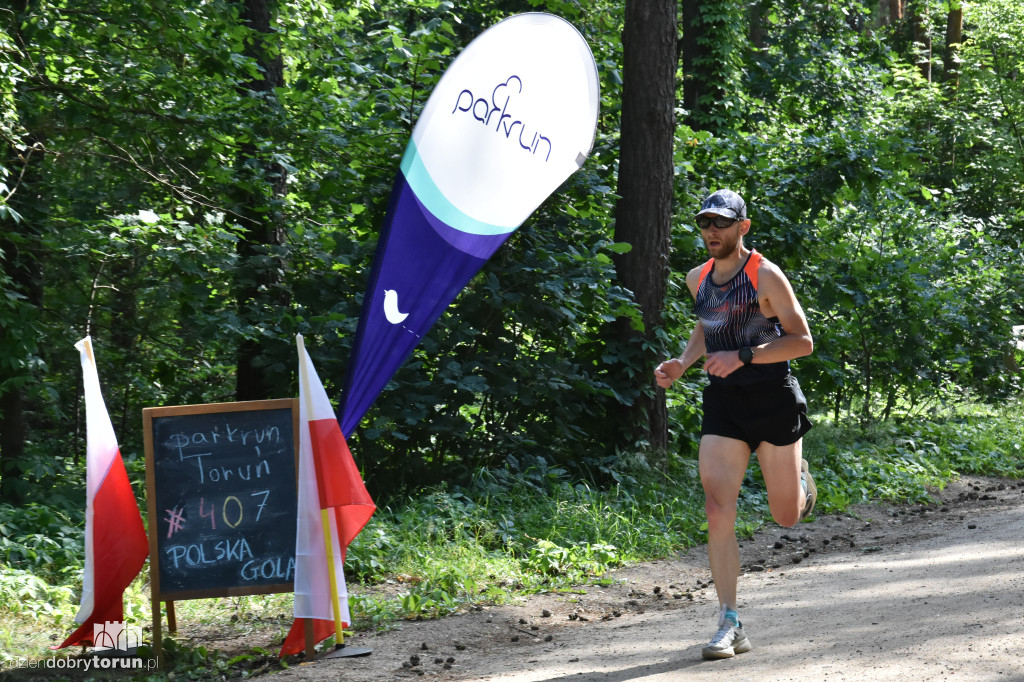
(750, 326)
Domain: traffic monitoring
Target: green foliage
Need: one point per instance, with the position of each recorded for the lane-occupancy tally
(438, 595)
(40, 539)
(180, 661)
(904, 461)
(721, 35)
(581, 559)
(25, 594)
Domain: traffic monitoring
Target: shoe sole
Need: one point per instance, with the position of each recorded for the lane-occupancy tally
(812, 490)
(741, 647)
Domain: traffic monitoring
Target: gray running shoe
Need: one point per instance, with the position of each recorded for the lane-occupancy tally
(811, 490)
(727, 642)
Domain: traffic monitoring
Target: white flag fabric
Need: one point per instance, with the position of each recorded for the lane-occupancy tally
(115, 538)
(329, 486)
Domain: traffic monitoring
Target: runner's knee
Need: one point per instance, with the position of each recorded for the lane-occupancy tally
(786, 516)
(721, 517)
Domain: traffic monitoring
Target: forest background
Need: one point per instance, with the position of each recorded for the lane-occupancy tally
(192, 184)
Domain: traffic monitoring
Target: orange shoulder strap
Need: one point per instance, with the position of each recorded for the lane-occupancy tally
(751, 267)
(704, 271)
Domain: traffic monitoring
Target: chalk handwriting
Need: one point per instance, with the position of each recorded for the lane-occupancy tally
(198, 554)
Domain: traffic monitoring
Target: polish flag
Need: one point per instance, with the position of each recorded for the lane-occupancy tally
(115, 539)
(328, 480)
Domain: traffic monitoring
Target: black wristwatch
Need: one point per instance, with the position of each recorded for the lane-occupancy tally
(746, 355)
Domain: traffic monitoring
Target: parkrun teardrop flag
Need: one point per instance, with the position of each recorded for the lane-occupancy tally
(512, 118)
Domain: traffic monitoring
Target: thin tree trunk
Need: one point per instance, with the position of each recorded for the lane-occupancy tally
(895, 11)
(694, 86)
(923, 41)
(261, 268)
(643, 215)
(954, 36)
(758, 33)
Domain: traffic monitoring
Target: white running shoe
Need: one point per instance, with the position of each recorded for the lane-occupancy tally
(810, 490)
(728, 641)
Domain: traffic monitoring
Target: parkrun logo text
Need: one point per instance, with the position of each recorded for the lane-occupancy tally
(484, 111)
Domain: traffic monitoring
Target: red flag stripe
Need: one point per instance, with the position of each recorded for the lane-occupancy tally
(337, 477)
(120, 548)
(295, 642)
(336, 510)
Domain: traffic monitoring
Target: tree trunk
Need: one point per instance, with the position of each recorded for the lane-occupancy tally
(695, 84)
(643, 214)
(923, 41)
(882, 15)
(758, 33)
(954, 36)
(261, 267)
(895, 11)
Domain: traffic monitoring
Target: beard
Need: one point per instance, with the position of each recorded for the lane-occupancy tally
(723, 244)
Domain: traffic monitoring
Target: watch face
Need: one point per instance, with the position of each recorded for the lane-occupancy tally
(746, 355)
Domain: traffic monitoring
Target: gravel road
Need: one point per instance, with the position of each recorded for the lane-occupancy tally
(885, 593)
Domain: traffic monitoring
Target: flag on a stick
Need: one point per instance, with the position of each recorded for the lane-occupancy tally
(333, 507)
(512, 117)
(115, 539)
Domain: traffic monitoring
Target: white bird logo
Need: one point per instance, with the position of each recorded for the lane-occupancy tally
(391, 312)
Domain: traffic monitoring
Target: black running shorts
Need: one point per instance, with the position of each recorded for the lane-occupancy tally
(773, 412)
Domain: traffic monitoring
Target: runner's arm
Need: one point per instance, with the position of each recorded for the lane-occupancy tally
(673, 368)
(778, 300)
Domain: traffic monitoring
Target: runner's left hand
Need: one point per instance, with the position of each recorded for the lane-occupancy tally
(722, 363)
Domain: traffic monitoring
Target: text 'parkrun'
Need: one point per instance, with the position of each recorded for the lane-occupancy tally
(216, 512)
(484, 112)
(186, 443)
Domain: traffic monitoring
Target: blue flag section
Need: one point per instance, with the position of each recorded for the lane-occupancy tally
(512, 118)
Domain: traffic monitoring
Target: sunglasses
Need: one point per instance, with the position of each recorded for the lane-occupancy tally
(721, 222)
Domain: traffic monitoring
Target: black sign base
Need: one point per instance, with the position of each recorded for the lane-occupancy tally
(347, 652)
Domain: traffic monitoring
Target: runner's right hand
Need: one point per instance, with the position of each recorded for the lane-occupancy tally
(667, 372)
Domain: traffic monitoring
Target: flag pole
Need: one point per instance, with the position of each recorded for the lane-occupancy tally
(339, 636)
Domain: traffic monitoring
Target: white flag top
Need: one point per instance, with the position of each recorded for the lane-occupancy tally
(312, 586)
(510, 120)
(333, 506)
(100, 451)
(115, 539)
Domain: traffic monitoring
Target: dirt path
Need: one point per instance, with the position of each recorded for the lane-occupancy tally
(886, 593)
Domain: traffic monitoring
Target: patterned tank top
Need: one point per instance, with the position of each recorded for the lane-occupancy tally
(731, 317)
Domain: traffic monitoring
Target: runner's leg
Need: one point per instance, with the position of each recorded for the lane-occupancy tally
(780, 465)
(723, 464)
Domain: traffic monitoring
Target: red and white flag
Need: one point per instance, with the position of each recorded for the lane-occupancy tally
(115, 539)
(328, 480)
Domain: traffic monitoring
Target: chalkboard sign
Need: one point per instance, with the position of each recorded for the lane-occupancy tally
(222, 498)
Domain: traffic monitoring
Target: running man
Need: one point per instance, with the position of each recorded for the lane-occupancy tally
(750, 326)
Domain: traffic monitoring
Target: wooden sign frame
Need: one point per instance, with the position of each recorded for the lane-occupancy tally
(157, 594)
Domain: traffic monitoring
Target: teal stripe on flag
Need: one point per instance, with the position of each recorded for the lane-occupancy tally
(437, 203)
